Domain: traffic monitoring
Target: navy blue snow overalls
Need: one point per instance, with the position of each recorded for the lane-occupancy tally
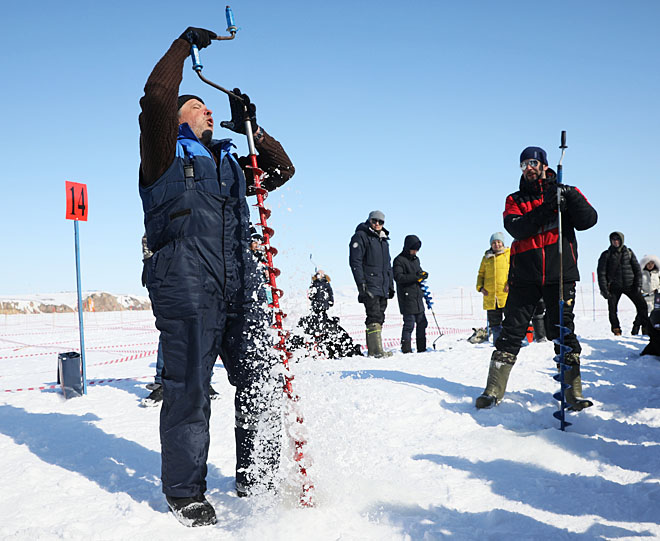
(197, 225)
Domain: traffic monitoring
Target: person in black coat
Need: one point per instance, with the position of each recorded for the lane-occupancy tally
(369, 258)
(408, 275)
(328, 336)
(619, 274)
(531, 217)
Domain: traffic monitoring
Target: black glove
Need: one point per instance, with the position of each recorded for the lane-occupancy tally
(198, 36)
(391, 295)
(144, 273)
(237, 122)
(605, 294)
(550, 199)
(422, 275)
(365, 293)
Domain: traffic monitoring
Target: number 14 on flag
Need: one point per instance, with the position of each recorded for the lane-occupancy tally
(76, 201)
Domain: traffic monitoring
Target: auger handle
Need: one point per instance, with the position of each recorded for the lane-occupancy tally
(231, 28)
(231, 25)
(563, 140)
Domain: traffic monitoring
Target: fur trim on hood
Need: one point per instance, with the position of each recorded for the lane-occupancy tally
(644, 261)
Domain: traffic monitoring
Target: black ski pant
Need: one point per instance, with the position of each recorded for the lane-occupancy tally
(635, 295)
(375, 308)
(520, 306)
(409, 322)
(190, 347)
(494, 317)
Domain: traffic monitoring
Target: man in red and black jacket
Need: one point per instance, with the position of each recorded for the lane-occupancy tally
(531, 217)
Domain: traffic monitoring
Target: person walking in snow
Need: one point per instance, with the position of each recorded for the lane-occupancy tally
(650, 265)
(619, 274)
(193, 192)
(408, 275)
(369, 258)
(493, 282)
(531, 217)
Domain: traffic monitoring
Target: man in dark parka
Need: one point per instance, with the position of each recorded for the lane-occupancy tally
(408, 275)
(619, 274)
(369, 258)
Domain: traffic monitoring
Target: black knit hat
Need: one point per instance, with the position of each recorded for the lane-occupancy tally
(186, 97)
(534, 153)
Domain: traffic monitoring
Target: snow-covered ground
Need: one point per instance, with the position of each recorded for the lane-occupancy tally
(398, 449)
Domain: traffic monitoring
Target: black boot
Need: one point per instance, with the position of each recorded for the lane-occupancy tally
(635, 329)
(421, 344)
(539, 329)
(406, 345)
(192, 512)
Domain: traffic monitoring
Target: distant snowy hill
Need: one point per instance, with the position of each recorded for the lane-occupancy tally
(93, 301)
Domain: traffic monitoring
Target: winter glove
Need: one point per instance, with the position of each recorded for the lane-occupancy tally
(144, 273)
(364, 293)
(391, 294)
(604, 294)
(422, 275)
(550, 199)
(198, 36)
(237, 122)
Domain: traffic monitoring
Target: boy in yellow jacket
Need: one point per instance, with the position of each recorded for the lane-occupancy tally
(492, 282)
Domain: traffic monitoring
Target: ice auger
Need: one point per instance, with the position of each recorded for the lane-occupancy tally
(426, 292)
(563, 330)
(273, 272)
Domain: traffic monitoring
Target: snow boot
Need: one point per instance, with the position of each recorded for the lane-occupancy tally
(155, 398)
(375, 341)
(421, 344)
(572, 377)
(635, 329)
(539, 329)
(192, 512)
(406, 346)
(501, 364)
(616, 331)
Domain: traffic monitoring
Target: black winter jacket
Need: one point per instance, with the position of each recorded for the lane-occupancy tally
(407, 270)
(618, 268)
(369, 258)
(321, 295)
(534, 226)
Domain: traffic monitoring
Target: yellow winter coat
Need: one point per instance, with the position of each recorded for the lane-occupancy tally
(493, 275)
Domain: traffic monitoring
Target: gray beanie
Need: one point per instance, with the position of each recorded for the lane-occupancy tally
(376, 215)
(497, 236)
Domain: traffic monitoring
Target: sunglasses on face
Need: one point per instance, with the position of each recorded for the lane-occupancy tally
(379, 222)
(530, 163)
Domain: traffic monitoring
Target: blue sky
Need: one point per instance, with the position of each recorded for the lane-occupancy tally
(419, 110)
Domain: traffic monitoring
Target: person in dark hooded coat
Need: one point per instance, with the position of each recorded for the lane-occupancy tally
(369, 258)
(328, 336)
(619, 274)
(408, 275)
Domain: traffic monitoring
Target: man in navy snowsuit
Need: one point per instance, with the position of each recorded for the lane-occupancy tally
(202, 276)
(369, 258)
